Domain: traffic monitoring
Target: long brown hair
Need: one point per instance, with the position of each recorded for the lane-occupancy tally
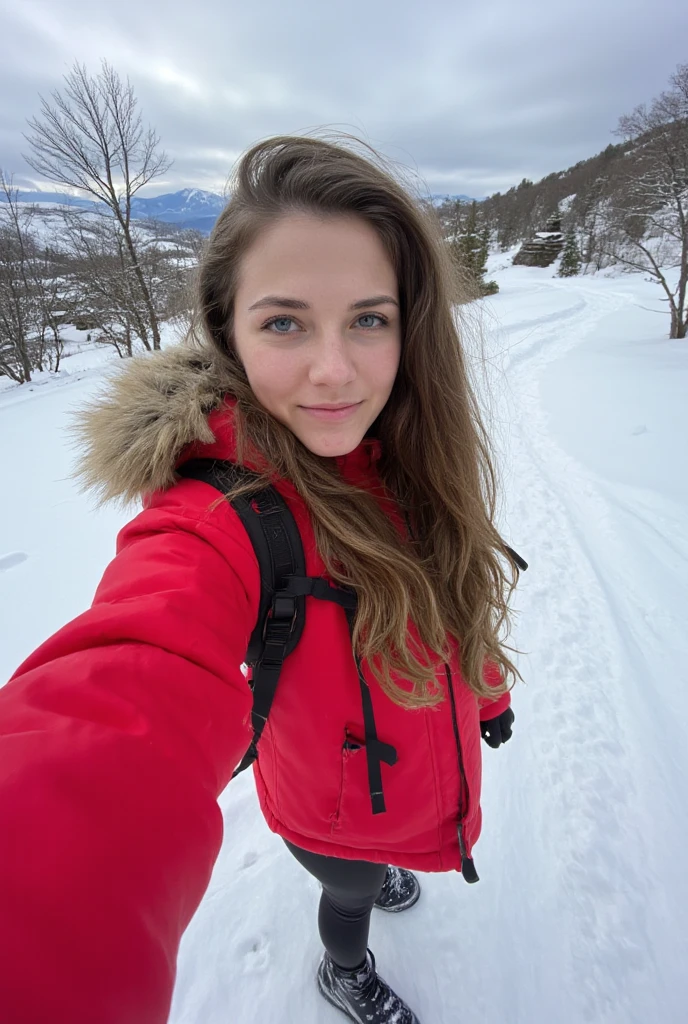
(452, 578)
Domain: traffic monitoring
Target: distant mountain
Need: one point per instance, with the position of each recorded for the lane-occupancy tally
(51, 198)
(438, 199)
(189, 208)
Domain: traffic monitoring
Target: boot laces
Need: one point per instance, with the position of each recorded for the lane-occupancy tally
(370, 989)
(395, 882)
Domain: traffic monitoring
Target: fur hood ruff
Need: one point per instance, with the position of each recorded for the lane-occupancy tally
(129, 437)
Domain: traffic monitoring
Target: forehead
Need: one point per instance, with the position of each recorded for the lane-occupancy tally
(337, 253)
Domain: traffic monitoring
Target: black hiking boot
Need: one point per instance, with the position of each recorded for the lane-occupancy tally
(362, 994)
(400, 890)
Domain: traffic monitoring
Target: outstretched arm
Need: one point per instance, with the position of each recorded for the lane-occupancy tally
(116, 737)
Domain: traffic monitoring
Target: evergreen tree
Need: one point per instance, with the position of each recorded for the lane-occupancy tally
(472, 245)
(472, 248)
(484, 250)
(571, 258)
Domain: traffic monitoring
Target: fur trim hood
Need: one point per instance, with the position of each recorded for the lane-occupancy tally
(129, 437)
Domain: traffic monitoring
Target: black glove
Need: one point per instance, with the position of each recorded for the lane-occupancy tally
(496, 731)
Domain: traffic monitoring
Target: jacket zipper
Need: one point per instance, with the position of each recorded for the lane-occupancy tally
(467, 866)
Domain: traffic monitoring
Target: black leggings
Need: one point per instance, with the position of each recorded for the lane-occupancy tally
(350, 888)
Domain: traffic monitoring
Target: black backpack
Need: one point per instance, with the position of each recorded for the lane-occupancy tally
(276, 540)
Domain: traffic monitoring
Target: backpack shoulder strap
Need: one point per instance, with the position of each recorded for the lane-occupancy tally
(276, 540)
(278, 548)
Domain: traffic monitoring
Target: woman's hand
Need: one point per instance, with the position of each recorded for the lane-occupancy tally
(496, 731)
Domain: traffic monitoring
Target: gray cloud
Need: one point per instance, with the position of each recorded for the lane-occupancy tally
(471, 97)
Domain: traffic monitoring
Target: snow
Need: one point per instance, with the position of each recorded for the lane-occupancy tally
(46, 221)
(579, 916)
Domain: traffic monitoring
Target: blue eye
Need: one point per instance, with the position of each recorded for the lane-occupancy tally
(383, 322)
(373, 316)
(278, 320)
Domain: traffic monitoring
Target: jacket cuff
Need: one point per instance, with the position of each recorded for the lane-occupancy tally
(495, 708)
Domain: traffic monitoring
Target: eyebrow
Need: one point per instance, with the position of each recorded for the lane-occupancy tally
(279, 300)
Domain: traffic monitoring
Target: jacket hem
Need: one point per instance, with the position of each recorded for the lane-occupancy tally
(433, 861)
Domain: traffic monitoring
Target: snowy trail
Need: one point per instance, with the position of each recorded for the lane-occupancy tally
(582, 769)
(579, 913)
(601, 733)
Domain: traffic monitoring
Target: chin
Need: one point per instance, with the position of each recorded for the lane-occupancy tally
(331, 448)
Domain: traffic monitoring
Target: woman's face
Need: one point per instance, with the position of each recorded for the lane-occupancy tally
(316, 323)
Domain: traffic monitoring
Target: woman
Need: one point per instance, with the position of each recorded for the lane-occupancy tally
(326, 361)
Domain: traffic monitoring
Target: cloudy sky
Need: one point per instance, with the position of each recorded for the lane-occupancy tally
(471, 96)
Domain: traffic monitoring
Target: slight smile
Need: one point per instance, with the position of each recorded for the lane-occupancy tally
(329, 412)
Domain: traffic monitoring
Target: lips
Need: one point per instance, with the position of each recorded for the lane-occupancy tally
(332, 408)
(330, 412)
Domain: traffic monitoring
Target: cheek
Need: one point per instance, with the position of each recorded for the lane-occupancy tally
(272, 375)
(386, 365)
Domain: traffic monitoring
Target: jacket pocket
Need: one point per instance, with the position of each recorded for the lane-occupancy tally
(352, 752)
(268, 763)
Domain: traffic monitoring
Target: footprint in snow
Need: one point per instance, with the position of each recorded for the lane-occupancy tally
(248, 860)
(14, 558)
(255, 953)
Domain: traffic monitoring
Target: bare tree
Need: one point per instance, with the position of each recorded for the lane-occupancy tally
(652, 207)
(91, 138)
(16, 313)
(54, 307)
(174, 255)
(30, 294)
(102, 289)
(587, 215)
(102, 285)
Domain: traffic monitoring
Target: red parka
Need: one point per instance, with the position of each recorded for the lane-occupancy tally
(119, 733)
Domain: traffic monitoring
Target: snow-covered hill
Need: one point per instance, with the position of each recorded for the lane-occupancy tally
(189, 208)
(579, 917)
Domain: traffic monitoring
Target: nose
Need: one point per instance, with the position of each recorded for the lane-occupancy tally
(331, 362)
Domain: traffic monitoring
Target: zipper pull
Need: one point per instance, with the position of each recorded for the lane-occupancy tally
(467, 866)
